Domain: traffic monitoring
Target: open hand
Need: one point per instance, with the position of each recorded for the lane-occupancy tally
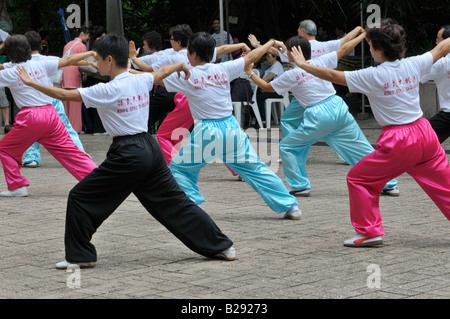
(23, 74)
(253, 40)
(133, 52)
(297, 56)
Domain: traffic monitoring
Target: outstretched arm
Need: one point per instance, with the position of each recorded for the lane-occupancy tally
(441, 50)
(228, 48)
(334, 76)
(167, 70)
(350, 45)
(279, 46)
(257, 53)
(263, 85)
(75, 59)
(57, 93)
(351, 35)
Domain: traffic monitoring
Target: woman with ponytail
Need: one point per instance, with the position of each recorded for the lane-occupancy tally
(407, 143)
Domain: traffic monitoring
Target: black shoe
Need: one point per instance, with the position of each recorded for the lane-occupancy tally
(8, 128)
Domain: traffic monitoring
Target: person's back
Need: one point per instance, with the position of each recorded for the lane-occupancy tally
(208, 88)
(306, 88)
(122, 103)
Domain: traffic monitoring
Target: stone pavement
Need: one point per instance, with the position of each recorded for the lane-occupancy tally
(277, 258)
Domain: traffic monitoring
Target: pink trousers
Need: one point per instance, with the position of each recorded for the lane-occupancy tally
(174, 127)
(412, 148)
(41, 124)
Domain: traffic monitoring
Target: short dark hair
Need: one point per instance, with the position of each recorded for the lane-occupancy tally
(114, 45)
(83, 29)
(18, 48)
(35, 40)
(302, 42)
(390, 38)
(446, 33)
(182, 33)
(153, 39)
(203, 44)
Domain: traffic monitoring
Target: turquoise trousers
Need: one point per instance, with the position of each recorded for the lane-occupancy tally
(225, 140)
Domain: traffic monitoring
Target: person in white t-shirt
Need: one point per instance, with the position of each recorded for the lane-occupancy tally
(179, 120)
(326, 117)
(37, 120)
(440, 74)
(134, 163)
(307, 29)
(274, 71)
(32, 156)
(216, 129)
(407, 142)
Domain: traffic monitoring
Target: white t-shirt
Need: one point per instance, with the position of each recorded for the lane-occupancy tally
(307, 89)
(318, 48)
(122, 104)
(35, 57)
(3, 35)
(392, 88)
(177, 56)
(39, 71)
(440, 74)
(276, 68)
(154, 57)
(208, 88)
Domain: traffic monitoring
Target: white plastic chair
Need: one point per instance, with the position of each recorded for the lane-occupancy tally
(254, 105)
(282, 104)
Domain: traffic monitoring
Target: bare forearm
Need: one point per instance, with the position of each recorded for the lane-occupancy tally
(56, 93)
(351, 35)
(167, 70)
(330, 75)
(441, 50)
(347, 47)
(141, 65)
(227, 48)
(263, 85)
(74, 59)
(257, 53)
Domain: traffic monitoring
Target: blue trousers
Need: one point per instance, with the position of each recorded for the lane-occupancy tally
(33, 153)
(329, 121)
(224, 139)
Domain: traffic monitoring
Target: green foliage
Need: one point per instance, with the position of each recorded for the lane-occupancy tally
(264, 18)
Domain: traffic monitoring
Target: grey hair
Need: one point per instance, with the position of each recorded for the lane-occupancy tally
(309, 26)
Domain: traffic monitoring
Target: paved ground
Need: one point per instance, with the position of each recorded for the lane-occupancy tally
(277, 258)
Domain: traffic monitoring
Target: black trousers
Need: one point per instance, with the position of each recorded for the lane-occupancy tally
(161, 103)
(441, 125)
(261, 98)
(135, 164)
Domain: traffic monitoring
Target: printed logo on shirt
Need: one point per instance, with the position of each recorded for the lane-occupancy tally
(204, 82)
(133, 103)
(36, 75)
(401, 85)
(317, 53)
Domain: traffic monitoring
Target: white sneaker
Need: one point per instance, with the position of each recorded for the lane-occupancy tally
(299, 192)
(362, 241)
(293, 213)
(65, 264)
(32, 164)
(18, 192)
(391, 191)
(227, 254)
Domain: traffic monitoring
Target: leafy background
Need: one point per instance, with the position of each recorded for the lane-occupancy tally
(264, 18)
